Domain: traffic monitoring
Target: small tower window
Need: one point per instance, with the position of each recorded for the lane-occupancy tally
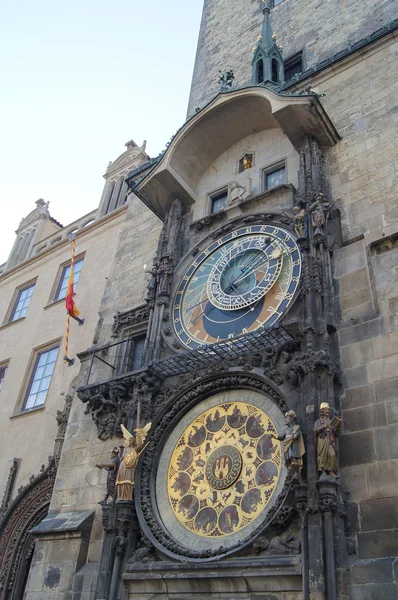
(260, 71)
(245, 163)
(294, 65)
(274, 68)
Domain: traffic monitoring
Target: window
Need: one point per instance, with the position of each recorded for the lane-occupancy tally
(40, 380)
(274, 176)
(219, 201)
(276, 3)
(274, 69)
(3, 371)
(294, 65)
(21, 303)
(260, 71)
(136, 353)
(63, 283)
(131, 354)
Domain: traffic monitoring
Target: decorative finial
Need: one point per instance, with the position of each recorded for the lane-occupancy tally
(274, 36)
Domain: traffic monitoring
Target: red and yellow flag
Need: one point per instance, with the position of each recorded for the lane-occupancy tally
(70, 304)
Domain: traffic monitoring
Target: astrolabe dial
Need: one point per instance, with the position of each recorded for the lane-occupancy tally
(224, 469)
(241, 283)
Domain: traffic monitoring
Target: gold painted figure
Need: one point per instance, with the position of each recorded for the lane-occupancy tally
(133, 449)
(247, 162)
(326, 431)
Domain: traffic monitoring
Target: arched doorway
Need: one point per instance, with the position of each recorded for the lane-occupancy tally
(16, 543)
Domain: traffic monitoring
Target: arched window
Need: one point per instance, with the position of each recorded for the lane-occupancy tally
(260, 71)
(274, 68)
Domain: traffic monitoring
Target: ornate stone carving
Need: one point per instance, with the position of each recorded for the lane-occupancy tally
(278, 545)
(306, 362)
(135, 316)
(144, 553)
(9, 486)
(26, 511)
(238, 193)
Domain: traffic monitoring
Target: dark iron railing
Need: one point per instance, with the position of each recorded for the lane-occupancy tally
(190, 360)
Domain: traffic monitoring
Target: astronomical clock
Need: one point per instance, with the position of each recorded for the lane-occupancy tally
(214, 475)
(241, 283)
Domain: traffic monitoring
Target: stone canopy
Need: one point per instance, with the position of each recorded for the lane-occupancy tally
(227, 119)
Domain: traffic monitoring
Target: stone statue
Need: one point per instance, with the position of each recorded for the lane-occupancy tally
(320, 209)
(165, 274)
(317, 215)
(112, 467)
(326, 431)
(226, 79)
(293, 444)
(152, 283)
(299, 224)
(133, 449)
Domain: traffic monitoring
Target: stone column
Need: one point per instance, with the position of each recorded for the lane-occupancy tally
(107, 554)
(124, 511)
(327, 487)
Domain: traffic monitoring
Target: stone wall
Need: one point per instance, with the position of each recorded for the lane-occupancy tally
(79, 485)
(44, 323)
(269, 147)
(361, 100)
(318, 27)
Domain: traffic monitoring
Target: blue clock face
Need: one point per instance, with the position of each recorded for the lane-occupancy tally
(242, 282)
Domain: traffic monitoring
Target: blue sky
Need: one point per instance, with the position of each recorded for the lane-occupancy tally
(78, 80)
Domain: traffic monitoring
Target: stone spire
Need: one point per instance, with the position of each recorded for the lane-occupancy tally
(267, 61)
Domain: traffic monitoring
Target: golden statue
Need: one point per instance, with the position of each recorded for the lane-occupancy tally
(247, 162)
(326, 431)
(134, 446)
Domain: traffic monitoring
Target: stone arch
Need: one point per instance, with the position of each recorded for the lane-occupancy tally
(16, 542)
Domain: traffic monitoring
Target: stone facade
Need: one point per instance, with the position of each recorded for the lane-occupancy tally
(319, 29)
(321, 537)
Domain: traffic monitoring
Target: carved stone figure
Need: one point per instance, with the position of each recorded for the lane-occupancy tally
(326, 431)
(299, 221)
(133, 449)
(317, 215)
(293, 445)
(165, 274)
(226, 79)
(237, 193)
(278, 545)
(112, 467)
(152, 283)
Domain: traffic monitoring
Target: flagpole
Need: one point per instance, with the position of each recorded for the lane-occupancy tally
(72, 311)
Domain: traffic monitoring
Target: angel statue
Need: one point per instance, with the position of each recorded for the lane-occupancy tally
(134, 446)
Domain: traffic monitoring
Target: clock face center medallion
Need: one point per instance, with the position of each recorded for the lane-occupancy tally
(223, 467)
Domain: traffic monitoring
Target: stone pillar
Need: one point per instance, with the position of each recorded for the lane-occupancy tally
(108, 552)
(62, 541)
(124, 511)
(327, 487)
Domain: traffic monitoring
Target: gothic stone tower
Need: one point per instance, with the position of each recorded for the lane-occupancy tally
(270, 315)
